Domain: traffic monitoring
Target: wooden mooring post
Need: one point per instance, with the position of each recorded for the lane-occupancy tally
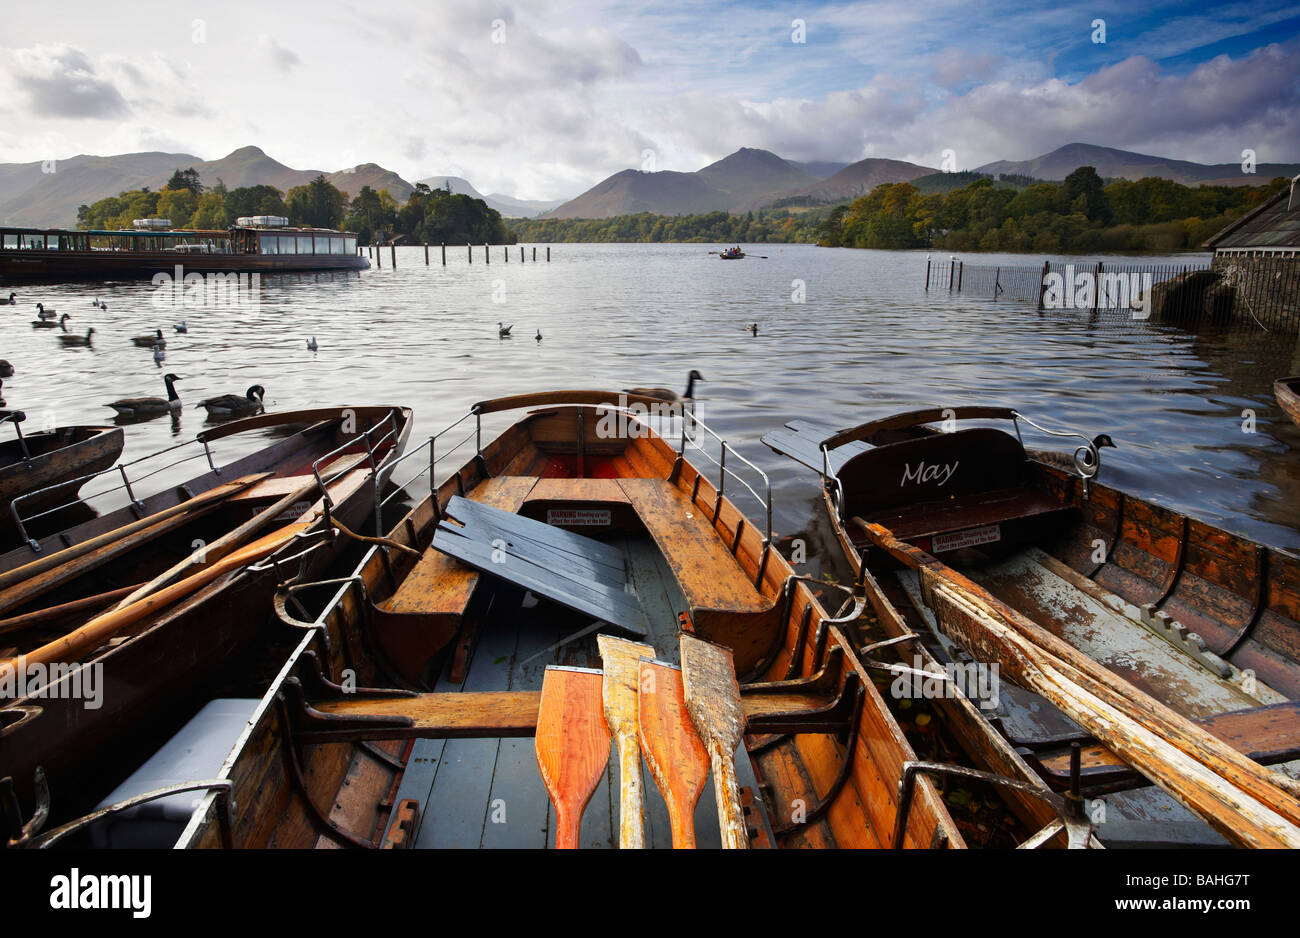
(961, 269)
(487, 254)
(548, 253)
(393, 255)
(470, 248)
(505, 253)
(521, 253)
(1096, 288)
(534, 254)
(379, 256)
(952, 269)
(444, 254)
(426, 254)
(1042, 283)
(927, 275)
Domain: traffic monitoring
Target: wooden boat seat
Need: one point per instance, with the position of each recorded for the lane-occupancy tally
(1269, 735)
(801, 440)
(578, 490)
(709, 576)
(442, 585)
(577, 572)
(942, 484)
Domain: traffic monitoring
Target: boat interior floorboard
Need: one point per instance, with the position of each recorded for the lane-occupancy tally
(488, 792)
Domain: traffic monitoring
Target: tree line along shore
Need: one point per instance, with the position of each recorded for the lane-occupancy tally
(1082, 214)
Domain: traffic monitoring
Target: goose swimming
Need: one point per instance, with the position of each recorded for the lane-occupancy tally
(150, 341)
(503, 331)
(150, 406)
(8, 302)
(45, 313)
(73, 339)
(311, 344)
(232, 405)
(665, 394)
(6, 369)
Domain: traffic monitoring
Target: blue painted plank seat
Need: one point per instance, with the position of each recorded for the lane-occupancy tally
(579, 573)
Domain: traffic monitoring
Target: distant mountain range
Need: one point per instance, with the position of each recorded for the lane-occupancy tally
(508, 206)
(746, 180)
(1124, 164)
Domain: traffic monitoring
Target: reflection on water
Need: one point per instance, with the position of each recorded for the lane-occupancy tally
(866, 342)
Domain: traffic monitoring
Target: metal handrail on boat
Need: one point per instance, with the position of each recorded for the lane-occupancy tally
(586, 398)
(127, 485)
(16, 418)
(371, 445)
(1086, 458)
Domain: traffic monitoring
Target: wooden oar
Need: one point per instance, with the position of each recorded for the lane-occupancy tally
(232, 539)
(572, 745)
(713, 700)
(621, 660)
(22, 584)
(676, 754)
(28, 619)
(79, 642)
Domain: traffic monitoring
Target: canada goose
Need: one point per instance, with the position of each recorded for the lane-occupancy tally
(150, 406)
(95, 303)
(6, 369)
(311, 344)
(50, 323)
(45, 313)
(753, 328)
(8, 302)
(150, 341)
(181, 327)
(538, 337)
(664, 394)
(503, 331)
(232, 405)
(73, 339)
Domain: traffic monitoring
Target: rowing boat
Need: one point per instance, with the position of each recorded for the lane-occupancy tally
(406, 710)
(50, 466)
(1287, 392)
(1165, 647)
(130, 614)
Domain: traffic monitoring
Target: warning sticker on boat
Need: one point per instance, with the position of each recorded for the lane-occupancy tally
(968, 538)
(578, 517)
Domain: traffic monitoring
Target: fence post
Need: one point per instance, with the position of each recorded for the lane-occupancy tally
(960, 271)
(927, 274)
(1042, 283)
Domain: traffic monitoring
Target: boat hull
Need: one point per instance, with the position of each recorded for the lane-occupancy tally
(142, 682)
(65, 266)
(1287, 392)
(66, 456)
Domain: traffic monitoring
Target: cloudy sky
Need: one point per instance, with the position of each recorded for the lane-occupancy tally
(542, 99)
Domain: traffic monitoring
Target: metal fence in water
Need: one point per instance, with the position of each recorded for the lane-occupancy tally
(1254, 292)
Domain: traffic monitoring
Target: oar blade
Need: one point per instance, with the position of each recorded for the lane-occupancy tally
(572, 744)
(712, 692)
(621, 661)
(673, 749)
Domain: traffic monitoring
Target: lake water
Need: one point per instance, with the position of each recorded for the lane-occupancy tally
(868, 341)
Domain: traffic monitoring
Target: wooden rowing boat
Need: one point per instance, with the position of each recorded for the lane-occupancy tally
(609, 528)
(1133, 630)
(49, 468)
(140, 608)
(1287, 392)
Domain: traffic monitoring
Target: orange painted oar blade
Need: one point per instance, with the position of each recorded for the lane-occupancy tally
(572, 744)
(672, 747)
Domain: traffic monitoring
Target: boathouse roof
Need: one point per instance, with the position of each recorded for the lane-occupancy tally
(1273, 225)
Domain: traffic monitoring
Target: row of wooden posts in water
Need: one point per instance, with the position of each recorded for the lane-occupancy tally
(376, 254)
